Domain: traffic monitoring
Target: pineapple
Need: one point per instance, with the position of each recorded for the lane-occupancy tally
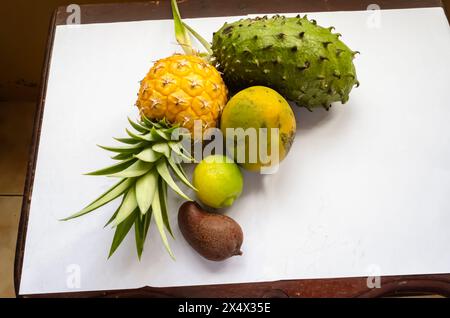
(176, 92)
(182, 89)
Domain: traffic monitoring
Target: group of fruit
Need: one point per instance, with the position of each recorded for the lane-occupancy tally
(254, 59)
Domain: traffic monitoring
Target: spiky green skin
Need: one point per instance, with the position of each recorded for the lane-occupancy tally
(304, 62)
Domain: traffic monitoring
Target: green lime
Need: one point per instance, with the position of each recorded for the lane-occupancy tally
(218, 181)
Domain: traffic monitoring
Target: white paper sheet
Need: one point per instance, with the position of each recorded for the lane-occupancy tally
(364, 191)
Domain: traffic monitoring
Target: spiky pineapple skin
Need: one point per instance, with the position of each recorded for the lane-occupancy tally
(182, 89)
(306, 63)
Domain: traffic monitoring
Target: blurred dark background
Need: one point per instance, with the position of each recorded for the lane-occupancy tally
(23, 32)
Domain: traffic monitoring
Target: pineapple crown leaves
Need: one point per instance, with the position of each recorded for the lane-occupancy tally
(147, 160)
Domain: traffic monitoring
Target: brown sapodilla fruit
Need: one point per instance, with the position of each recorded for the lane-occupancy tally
(214, 236)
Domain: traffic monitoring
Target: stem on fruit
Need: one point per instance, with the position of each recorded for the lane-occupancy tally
(205, 43)
(181, 33)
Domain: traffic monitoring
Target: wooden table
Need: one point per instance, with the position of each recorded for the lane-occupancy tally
(345, 287)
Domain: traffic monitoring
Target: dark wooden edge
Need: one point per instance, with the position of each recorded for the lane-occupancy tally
(156, 10)
(32, 157)
(307, 288)
(340, 287)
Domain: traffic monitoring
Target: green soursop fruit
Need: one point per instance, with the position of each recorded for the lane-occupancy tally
(306, 63)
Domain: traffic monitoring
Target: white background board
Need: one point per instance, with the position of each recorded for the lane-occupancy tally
(365, 188)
